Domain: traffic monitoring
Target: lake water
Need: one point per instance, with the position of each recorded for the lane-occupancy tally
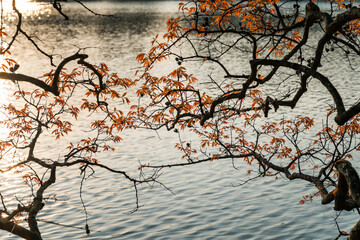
(204, 206)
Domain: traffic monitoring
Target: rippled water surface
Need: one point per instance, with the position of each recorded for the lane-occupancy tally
(204, 205)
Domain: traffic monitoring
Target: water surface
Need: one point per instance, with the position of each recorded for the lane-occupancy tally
(204, 206)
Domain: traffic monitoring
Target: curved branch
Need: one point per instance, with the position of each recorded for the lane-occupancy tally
(285, 170)
(335, 26)
(18, 28)
(342, 116)
(19, 230)
(53, 88)
(58, 7)
(38, 204)
(24, 78)
(60, 67)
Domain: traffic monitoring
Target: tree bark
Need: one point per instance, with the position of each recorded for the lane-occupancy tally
(355, 232)
(19, 231)
(348, 186)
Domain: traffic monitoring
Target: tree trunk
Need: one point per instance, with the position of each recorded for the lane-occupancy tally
(355, 232)
(19, 231)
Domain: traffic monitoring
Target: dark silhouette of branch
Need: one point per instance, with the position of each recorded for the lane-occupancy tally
(53, 88)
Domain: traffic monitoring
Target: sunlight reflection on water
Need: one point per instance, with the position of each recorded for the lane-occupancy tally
(11, 183)
(5, 96)
(26, 7)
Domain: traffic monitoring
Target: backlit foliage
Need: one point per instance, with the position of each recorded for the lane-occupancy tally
(266, 55)
(242, 70)
(86, 95)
